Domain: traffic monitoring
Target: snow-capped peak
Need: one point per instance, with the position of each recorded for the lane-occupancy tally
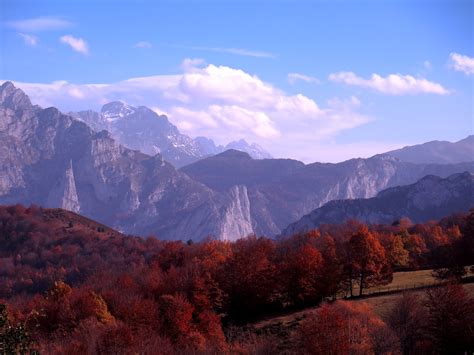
(116, 110)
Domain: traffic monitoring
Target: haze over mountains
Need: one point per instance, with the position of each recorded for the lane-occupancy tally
(54, 160)
(142, 129)
(430, 198)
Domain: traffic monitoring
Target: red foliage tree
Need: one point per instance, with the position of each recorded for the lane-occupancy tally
(345, 328)
(450, 319)
(407, 318)
(366, 262)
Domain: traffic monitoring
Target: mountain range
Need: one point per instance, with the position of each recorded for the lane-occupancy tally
(437, 152)
(430, 198)
(55, 160)
(142, 129)
(280, 191)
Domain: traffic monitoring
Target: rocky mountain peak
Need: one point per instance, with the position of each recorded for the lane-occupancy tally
(255, 151)
(115, 110)
(7, 88)
(13, 98)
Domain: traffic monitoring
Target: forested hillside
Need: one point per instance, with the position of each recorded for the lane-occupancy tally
(71, 285)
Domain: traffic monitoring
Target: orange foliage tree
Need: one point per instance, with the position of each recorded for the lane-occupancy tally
(346, 328)
(366, 263)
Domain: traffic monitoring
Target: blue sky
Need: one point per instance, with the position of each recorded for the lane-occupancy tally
(312, 80)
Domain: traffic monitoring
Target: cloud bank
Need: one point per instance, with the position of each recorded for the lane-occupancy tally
(220, 102)
(393, 84)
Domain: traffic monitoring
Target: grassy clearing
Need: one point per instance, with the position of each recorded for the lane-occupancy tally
(381, 304)
(384, 303)
(407, 280)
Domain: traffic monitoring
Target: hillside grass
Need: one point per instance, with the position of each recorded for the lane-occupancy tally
(383, 304)
(407, 281)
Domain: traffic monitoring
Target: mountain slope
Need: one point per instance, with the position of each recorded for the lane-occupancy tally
(281, 190)
(53, 160)
(428, 199)
(437, 152)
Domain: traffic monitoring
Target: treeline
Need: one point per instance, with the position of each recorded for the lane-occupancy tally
(78, 287)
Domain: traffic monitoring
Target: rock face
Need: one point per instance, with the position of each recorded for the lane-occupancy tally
(64, 193)
(281, 191)
(142, 129)
(237, 220)
(430, 198)
(54, 160)
(437, 152)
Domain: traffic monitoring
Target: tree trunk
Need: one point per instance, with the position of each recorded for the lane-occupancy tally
(361, 283)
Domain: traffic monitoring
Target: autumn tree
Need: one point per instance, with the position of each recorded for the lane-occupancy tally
(367, 264)
(417, 249)
(14, 339)
(332, 272)
(249, 277)
(467, 242)
(407, 319)
(398, 256)
(176, 315)
(450, 319)
(301, 270)
(345, 328)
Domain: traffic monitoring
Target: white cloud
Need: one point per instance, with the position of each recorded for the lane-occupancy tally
(236, 51)
(38, 24)
(77, 44)
(143, 44)
(462, 63)
(294, 77)
(393, 84)
(190, 64)
(219, 102)
(29, 40)
(350, 103)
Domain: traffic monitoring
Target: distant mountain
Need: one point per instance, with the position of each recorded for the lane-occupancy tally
(54, 160)
(142, 129)
(430, 198)
(440, 152)
(254, 150)
(233, 167)
(280, 191)
(208, 147)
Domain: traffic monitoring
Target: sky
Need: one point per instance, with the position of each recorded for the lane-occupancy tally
(310, 80)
